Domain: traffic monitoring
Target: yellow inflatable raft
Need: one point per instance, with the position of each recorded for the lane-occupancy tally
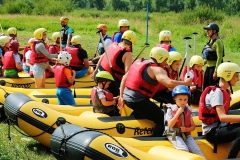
(39, 121)
(35, 118)
(28, 82)
(48, 95)
(73, 142)
(88, 144)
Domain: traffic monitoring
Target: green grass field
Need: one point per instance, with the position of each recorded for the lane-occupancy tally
(84, 23)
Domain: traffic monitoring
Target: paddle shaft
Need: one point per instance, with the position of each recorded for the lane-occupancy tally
(108, 58)
(194, 36)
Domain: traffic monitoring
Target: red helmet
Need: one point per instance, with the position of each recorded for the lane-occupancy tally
(14, 45)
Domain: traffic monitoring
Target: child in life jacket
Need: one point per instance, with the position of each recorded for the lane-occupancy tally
(12, 62)
(164, 94)
(197, 75)
(165, 39)
(26, 56)
(217, 125)
(180, 122)
(64, 78)
(103, 100)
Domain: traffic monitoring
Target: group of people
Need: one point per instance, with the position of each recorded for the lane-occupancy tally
(133, 84)
(121, 81)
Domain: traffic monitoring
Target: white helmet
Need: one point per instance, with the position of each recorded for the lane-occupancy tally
(64, 58)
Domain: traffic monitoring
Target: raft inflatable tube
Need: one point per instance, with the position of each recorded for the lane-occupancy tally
(28, 82)
(39, 121)
(70, 141)
(48, 95)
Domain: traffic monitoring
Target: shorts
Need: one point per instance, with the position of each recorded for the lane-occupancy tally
(38, 71)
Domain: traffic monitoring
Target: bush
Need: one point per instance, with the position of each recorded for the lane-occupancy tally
(18, 7)
(201, 14)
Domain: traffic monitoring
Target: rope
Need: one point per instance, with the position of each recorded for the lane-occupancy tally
(9, 120)
(65, 139)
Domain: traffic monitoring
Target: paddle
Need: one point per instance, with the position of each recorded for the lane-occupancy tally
(184, 60)
(194, 36)
(146, 43)
(108, 58)
(187, 54)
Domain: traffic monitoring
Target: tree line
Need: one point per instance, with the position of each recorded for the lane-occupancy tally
(57, 7)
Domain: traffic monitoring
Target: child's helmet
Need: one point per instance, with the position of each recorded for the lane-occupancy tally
(64, 58)
(181, 90)
(104, 76)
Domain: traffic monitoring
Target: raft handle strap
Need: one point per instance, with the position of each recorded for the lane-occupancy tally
(215, 145)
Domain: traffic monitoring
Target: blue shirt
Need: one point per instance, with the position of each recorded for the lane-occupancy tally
(117, 37)
(172, 49)
(66, 32)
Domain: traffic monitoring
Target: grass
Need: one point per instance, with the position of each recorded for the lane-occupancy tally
(84, 23)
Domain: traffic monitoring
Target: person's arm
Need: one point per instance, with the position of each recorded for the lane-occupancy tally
(174, 119)
(98, 64)
(224, 117)
(18, 62)
(41, 48)
(108, 103)
(86, 63)
(18, 66)
(122, 85)
(189, 129)
(219, 50)
(84, 57)
(70, 77)
(127, 60)
(162, 77)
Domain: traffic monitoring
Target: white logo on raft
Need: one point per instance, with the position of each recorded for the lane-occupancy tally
(115, 150)
(40, 113)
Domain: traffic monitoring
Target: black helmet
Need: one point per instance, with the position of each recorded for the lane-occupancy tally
(213, 26)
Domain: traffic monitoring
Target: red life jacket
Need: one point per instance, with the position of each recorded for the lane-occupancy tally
(37, 57)
(27, 48)
(95, 99)
(197, 78)
(8, 60)
(114, 51)
(53, 49)
(135, 81)
(173, 75)
(166, 46)
(187, 117)
(75, 62)
(60, 78)
(209, 116)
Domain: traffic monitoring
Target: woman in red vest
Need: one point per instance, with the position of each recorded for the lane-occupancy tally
(40, 57)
